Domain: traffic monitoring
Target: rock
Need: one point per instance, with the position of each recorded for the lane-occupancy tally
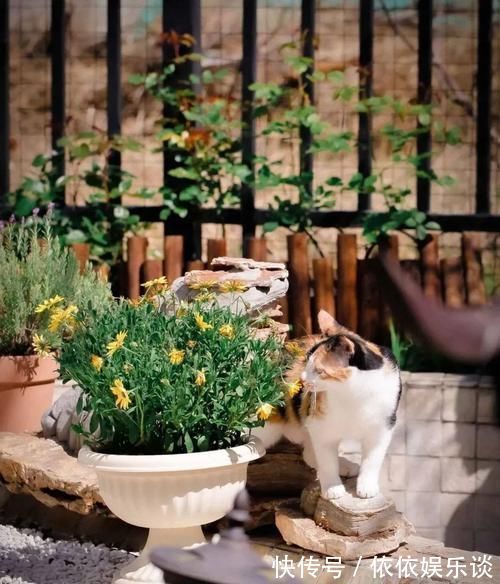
(43, 469)
(265, 283)
(297, 529)
(58, 419)
(349, 515)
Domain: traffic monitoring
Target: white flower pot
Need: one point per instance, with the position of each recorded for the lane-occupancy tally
(173, 495)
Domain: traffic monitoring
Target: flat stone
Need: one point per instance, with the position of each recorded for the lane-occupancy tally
(265, 283)
(296, 528)
(349, 515)
(245, 263)
(43, 469)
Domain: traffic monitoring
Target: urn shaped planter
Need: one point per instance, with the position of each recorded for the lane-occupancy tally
(172, 495)
(26, 391)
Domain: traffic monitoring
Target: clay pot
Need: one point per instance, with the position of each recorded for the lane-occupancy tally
(26, 391)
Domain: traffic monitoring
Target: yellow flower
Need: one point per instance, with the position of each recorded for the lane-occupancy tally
(135, 302)
(182, 310)
(191, 344)
(205, 296)
(204, 326)
(123, 399)
(62, 317)
(203, 284)
(265, 411)
(113, 346)
(48, 304)
(200, 377)
(232, 286)
(294, 349)
(294, 388)
(41, 346)
(96, 362)
(160, 282)
(176, 356)
(227, 330)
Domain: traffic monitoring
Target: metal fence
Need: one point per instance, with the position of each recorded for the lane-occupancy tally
(184, 16)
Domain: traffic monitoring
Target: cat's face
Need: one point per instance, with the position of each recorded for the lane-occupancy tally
(327, 362)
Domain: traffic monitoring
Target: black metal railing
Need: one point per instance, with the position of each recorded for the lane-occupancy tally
(184, 16)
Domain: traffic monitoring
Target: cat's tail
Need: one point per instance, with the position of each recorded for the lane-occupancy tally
(270, 433)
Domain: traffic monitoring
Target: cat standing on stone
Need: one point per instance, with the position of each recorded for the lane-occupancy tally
(350, 389)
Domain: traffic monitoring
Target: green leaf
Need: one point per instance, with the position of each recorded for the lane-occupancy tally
(40, 160)
(336, 76)
(24, 206)
(75, 236)
(181, 172)
(424, 118)
(270, 226)
(136, 79)
(188, 442)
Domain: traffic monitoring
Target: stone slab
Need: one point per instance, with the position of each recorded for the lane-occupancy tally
(297, 529)
(43, 469)
(349, 515)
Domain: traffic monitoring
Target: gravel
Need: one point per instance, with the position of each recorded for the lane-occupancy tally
(27, 557)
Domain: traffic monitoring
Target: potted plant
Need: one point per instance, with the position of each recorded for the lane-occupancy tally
(41, 290)
(168, 398)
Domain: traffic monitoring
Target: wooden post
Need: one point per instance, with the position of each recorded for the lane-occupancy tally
(136, 256)
(324, 298)
(151, 269)
(369, 300)
(173, 256)
(474, 283)
(299, 295)
(82, 253)
(347, 269)
(391, 246)
(283, 302)
(256, 248)
(453, 281)
(195, 265)
(215, 248)
(429, 264)
(412, 269)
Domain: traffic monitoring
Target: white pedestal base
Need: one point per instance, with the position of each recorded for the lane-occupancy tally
(141, 570)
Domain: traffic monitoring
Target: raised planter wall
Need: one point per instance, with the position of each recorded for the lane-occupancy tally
(443, 467)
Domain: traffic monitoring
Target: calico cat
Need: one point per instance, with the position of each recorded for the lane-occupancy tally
(350, 389)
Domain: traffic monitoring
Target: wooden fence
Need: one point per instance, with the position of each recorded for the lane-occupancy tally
(350, 289)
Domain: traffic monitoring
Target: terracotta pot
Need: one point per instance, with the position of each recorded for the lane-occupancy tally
(171, 494)
(26, 391)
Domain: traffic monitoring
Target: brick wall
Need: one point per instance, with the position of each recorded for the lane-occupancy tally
(443, 466)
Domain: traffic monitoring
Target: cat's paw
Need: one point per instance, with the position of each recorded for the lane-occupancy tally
(334, 492)
(366, 489)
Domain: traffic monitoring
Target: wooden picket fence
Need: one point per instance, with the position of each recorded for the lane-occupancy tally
(350, 290)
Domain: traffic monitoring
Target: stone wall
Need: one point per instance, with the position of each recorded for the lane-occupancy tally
(443, 466)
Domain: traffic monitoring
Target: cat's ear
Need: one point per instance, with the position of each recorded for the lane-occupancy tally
(328, 325)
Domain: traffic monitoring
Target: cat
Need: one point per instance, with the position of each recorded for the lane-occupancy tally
(350, 388)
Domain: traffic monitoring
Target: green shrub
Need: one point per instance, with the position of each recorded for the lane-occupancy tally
(34, 269)
(156, 383)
